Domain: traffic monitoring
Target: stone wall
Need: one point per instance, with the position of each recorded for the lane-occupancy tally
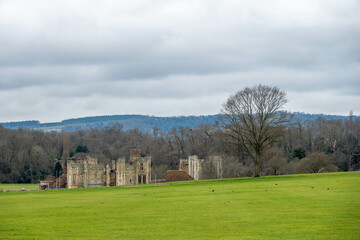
(137, 171)
(192, 166)
(83, 173)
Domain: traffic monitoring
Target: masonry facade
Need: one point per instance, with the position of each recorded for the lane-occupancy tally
(192, 166)
(137, 171)
(85, 172)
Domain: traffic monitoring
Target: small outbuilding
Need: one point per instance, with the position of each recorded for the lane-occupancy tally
(48, 183)
(176, 175)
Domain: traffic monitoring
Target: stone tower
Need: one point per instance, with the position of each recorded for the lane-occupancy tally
(137, 171)
(192, 166)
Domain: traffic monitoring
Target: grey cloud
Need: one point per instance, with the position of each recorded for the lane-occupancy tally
(173, 51)
(219, 45)
(26, 76)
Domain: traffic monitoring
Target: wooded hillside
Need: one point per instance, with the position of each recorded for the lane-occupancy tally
(142, 122)
(312, 146)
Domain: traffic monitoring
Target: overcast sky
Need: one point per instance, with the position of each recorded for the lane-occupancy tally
(68, 59)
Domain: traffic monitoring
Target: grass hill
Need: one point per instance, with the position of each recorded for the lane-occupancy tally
(318, 206)
(140, 121)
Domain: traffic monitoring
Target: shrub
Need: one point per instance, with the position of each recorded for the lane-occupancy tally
(315, 162)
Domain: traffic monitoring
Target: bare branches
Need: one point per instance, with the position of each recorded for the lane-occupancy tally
(252, 117)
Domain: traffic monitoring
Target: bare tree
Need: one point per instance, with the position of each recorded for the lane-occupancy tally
(251, 119)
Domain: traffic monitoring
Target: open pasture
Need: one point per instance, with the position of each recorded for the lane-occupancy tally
(17, 187)
(318, 206)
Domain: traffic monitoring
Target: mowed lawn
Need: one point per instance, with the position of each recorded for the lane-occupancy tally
(318, 206)
(15, 187)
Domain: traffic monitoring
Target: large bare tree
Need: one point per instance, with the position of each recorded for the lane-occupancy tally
(251, 119)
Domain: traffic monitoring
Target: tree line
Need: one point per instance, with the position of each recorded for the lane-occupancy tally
(328, 145)
(253, 137)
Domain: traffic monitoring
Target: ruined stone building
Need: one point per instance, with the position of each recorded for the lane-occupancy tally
(83, 172)
(137, 171)
(194, 166)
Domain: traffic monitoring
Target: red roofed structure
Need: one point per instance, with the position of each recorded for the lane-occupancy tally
(176, 175)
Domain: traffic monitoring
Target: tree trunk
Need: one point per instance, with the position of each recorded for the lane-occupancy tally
(256, 165)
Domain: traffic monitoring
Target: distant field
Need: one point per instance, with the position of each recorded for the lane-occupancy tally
(6, 187)
(319, 206)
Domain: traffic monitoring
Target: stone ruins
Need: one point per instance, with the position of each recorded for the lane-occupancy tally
(86, 172)
(193, 166)
(83, 171)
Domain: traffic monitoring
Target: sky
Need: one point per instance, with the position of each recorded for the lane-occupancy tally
(68, 59)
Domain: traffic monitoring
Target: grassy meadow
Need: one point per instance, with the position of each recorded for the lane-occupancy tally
(318, 206)
(16, 187)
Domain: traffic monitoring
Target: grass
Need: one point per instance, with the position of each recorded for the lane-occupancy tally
(318, 206)
(5, 187)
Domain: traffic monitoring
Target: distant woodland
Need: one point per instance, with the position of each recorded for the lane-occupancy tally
(315, 145)
(142, 122)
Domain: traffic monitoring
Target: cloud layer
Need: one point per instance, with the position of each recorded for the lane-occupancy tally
(62, 59)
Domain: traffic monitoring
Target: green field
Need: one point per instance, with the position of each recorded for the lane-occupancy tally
(5, 187)
(318, 206)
